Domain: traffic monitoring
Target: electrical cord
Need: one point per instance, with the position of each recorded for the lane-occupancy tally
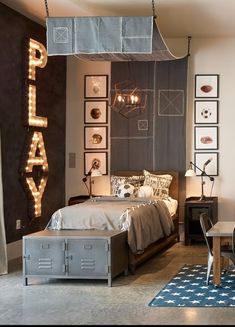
(212, 185)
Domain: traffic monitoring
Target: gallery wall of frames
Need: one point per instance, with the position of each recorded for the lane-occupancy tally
(96, 122)
(206, 123)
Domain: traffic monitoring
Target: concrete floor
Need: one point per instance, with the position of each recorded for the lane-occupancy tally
(92, 302)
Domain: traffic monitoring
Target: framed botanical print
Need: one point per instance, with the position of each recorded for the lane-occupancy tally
(96, 86)
(206, 112)
(200, 158)
(207, 86)
(99, 159)
(96, 137)
(206, 138)
(96, 112)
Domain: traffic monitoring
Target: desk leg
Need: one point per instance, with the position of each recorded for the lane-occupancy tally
(216, 261)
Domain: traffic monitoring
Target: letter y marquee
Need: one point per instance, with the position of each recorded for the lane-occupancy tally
(35, 166)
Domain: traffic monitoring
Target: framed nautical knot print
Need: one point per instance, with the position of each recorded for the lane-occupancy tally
(206, 112)
(201, 157)
(206, 86)
(99, 159)
(96, 86)
(206, 138)
(95, 112)
(95, 137)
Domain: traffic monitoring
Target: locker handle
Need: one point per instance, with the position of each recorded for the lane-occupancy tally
(87, 246)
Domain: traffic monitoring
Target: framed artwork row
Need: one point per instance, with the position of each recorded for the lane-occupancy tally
(96, 114)
(206, 112)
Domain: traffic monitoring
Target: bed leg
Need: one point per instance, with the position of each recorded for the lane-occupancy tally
(132, 269)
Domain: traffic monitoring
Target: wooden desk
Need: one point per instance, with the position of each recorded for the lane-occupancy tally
(221, 231)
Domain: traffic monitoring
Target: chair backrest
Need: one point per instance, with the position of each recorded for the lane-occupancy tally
(206, 224)
(233, 241)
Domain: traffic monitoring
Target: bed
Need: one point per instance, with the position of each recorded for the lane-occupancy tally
(151, 221)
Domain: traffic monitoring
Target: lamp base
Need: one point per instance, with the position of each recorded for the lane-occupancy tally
(202, 198)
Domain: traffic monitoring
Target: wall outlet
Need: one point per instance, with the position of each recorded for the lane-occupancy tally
(18, 224)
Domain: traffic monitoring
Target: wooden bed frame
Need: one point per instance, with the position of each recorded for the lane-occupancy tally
(137, 259)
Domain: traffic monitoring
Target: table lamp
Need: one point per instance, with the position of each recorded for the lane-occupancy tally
(93, 172)
(191, 173)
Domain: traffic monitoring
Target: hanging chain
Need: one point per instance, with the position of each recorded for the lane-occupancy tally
(189, 40)
(47, 10)
(153, 9)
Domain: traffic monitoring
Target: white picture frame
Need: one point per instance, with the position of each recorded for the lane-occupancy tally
(96, 86)
(206, 86)
(206, 111)
(201, 157)
(95, 137)
(101, 160)
(206, 137)
(96, 112)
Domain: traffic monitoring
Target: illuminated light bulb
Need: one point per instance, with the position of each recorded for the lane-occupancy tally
(120, 98)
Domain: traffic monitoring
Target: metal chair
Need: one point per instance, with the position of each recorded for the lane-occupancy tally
(227, 251)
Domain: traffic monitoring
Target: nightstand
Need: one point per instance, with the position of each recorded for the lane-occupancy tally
(78, 199)
(193, 209)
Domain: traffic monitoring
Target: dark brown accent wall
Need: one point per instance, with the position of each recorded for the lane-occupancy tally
(51, 103)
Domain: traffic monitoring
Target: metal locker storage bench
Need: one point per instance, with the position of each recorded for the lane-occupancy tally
(85, 254)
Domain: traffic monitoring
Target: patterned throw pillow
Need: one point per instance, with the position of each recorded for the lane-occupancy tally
(159, 183)
(116, 181)
(145, 191)
(125, 191)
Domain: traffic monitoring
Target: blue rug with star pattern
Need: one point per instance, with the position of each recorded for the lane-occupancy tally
(188, 289)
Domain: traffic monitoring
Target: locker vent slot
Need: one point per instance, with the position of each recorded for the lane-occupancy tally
(45, 263)
(88, 264)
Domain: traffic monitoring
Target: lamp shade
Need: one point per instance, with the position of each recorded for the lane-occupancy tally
(190, 172)
(96, 173)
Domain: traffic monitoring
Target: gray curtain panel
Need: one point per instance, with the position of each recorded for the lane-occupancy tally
(3, 246)
(107, 38)
(155, 138)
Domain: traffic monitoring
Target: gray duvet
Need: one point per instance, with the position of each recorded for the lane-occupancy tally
(145, 220)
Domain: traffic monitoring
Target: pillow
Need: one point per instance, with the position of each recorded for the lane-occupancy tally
(159, 183)
(125, 191)
(145, 191)
(116, 181)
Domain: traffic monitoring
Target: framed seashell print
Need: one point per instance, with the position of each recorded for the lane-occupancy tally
(95, 112)
(206, 86)
(206, 138)
(96, 86)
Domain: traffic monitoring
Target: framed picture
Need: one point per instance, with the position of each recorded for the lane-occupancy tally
(95, 112)
(206, 86)
(206, 137)
(200, 158)
(95, 137)
(206, 112)
(100, 160)
(96, 86)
